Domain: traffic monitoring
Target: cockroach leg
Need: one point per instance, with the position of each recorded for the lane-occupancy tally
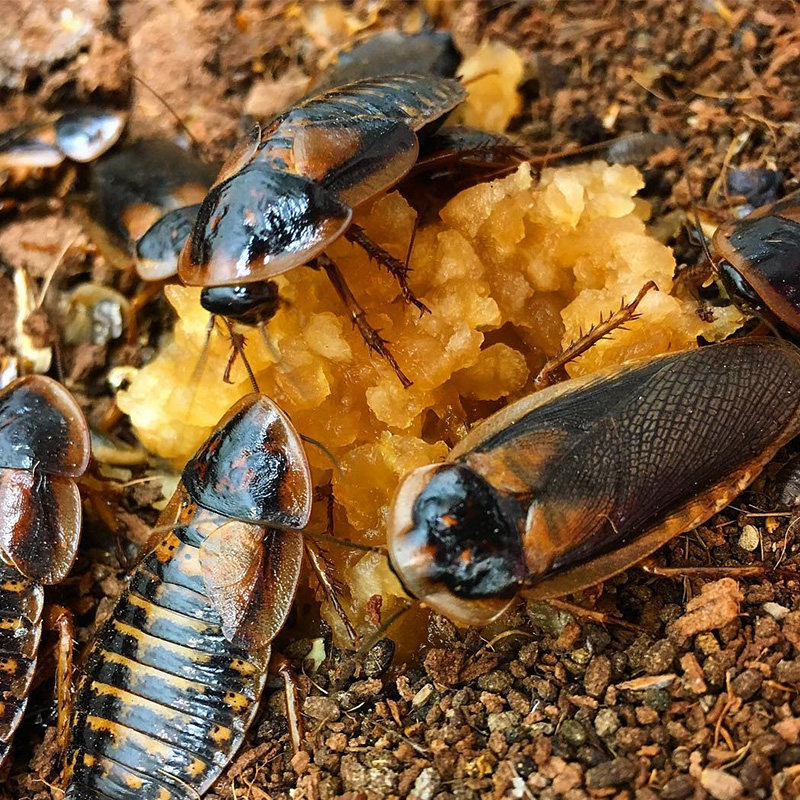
(374, 341)
(60, 620)
(396, 268)
(324, 571)
(281, 666)
(237, 349)
(554, 370)
(652, 567)
(593, 616)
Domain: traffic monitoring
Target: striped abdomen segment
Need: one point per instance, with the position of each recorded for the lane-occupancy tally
(165, 699)
(21, 603)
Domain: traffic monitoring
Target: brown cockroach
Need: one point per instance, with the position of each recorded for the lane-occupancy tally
(44, 447)
(576, 483)
(173, 679)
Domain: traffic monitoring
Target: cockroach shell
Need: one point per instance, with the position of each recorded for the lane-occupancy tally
(30, 147)
(40, 524)
(258, 224)
(598, 472)
(393, 53)
(85, 134)
(251, 576)
(764, 248)
(253, 467)
(136, 185)
(421, 557)
(158, 249)
(42, 428)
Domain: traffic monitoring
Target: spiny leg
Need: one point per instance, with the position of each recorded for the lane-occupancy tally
(374, 341)
(281, 667)
(652, 567)
(323, 569)
(60, 620)
(396, 268)
(554, 370)
(237, 349)
(593, 616)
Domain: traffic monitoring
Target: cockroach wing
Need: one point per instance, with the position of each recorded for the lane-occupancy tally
(40, 523)
(654, 452)
(388, 150)
(42, 428)
(253, 467)
(259, 223)
(251, 575)
(241, 155)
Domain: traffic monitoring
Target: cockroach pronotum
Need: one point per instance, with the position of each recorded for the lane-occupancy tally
(44, 447)
(287, 193)
(763, 250)
(80, 136)
(576, 483)
(174, 677)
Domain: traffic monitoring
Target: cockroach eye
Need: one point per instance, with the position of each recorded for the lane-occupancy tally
(453, 544)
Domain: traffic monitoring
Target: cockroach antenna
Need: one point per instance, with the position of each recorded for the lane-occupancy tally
(183, 126)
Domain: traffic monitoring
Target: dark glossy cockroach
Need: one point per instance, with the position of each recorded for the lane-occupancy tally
(565, 488)
(44, 447)
(392, 52)
(764, 251)
(79, 136)
(286, 194)
(145, 198)
(174, 677)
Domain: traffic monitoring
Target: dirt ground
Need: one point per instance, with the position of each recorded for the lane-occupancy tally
(699, 695)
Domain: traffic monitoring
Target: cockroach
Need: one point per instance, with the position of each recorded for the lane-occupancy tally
(287, 193)
(174, 677)
(80, 136)
(145, 198)
(574, 484)
(763, 249)
(44, 447)
(392, 52)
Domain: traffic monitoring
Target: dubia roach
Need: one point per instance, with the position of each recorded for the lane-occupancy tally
(174, 677)
(288, 192)
(80, 136)
(44, 447)
(145, 198)
(763, 249)
(573, 484)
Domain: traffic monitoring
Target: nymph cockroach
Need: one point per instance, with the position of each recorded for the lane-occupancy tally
(145, 198)
(573, 484)
(288, 192)
(44, 447)
(174, 677)
(761, 257)
(80, 136)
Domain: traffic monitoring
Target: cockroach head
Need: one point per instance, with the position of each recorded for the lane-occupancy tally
(454, 544)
